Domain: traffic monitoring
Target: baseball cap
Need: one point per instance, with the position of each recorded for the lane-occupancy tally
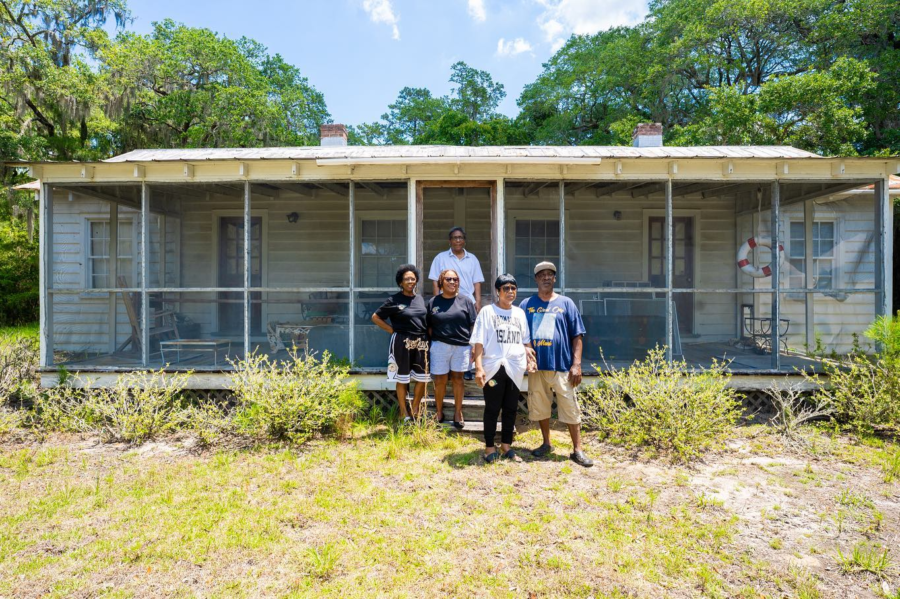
(544, 266)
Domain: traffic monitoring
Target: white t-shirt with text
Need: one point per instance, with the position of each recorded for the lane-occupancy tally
(503, 333)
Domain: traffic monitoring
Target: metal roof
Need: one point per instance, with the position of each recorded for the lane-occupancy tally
(462, 153)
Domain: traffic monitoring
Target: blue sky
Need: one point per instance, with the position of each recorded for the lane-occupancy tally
(360, 53)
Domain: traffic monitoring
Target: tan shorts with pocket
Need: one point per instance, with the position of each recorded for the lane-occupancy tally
(541, 386)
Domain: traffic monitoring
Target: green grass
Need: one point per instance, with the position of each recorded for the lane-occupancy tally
(29, 330)
(412, 512)
(409, 514)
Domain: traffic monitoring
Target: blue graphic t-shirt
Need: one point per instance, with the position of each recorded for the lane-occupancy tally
(553, 325)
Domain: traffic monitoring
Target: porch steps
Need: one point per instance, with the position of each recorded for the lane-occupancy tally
(472, 411)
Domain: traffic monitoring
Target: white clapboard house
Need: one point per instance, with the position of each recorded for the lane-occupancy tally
(189, 259)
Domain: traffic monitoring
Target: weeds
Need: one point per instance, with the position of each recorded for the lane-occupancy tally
(667, 406)
(210, 421)
(792, 410)
(18, 362)
(865, 557)
(890, 466)
(322, 560)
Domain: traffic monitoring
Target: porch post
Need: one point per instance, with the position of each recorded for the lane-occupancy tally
(499, 231)
(45, 276)
(113, 272)
(776, 275)
(247, 239)
(145, 264)
(412, 221)
(562, 237)
(809, 208)
(884, 230)
(352, 299)
(670, 297)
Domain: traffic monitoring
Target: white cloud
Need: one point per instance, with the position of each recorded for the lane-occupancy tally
(513, 47)
(476, 10)
(381, 11)
(562, 18)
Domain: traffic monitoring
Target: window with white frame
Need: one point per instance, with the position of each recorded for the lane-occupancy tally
(382, 249)
(98, 254)
(824, 257)
(536, 240)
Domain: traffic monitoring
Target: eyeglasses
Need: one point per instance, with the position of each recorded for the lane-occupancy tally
(451, 280)
(410, 279)
(457, 238)
(508, 288)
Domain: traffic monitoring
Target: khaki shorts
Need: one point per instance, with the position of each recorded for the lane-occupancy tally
(541, 385)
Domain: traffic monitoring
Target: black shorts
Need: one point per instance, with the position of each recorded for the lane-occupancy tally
(408, 359)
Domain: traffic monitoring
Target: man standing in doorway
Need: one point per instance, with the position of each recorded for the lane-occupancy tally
(557, 333)
(465, 264)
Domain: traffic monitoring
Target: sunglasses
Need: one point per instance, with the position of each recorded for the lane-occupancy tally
(451, 280)
(508, 288)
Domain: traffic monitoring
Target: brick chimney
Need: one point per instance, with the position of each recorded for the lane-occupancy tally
(647, 135)
(333, 135)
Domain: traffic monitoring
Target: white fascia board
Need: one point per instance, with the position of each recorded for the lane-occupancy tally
(456, 160)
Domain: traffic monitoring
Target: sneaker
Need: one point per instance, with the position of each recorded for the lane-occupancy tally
(542, 451)
(469, 376)
(582, 460)
(407, 421)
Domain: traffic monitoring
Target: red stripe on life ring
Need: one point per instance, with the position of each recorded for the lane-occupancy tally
(752, 243)
(767, 271)
(743, 263)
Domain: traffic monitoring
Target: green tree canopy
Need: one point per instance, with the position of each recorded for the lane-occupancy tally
(188, 87)
(51, 98)
(823, 75)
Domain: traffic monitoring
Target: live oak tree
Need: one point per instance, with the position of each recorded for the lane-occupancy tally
(51, 97)
(188, 87)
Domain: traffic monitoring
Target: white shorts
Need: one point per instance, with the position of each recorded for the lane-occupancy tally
(446, 357)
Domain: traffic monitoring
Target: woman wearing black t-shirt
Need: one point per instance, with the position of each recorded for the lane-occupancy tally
(451, 316)
(408, 352)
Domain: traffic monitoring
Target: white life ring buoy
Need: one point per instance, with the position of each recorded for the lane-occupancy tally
(743, 257)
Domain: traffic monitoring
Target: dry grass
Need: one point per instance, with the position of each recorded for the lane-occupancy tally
(416, 515)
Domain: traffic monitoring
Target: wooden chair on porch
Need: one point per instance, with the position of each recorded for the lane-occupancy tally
(163, 326)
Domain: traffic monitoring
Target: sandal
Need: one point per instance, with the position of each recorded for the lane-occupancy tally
(490, 458)
(459, 425)
(511, 456)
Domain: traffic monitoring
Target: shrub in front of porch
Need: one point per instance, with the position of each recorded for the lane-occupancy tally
(140, 406)
(670, 407)
(865, 389)
(294, 400)
(18, 363)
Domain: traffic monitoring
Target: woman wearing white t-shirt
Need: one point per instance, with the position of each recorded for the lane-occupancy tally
(502, 354)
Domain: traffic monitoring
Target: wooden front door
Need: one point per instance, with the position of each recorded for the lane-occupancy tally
(472, 205)
(682, 266)
(231, 274)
